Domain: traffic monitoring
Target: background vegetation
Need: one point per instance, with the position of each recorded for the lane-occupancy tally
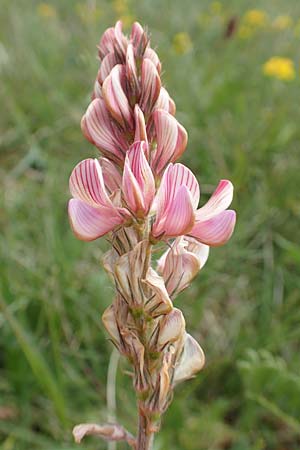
(243, 122)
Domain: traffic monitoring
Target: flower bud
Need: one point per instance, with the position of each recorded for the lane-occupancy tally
(139, 39)
(140, 127)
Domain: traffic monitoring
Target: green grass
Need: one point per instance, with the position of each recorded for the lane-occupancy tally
(243, 307)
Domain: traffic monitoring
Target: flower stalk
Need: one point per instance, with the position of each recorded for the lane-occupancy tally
(142, 200)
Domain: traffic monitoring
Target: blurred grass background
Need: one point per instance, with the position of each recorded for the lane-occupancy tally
(244, 308)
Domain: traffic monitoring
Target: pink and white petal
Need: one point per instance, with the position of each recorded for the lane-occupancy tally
(107, 42)
(165, 102)
(121, 41)
(132, 192)
(140, 127)
(106, 67)
(178, 218)
(115, 97)
(201, 251)
(142, 171)
(152, 55)
(175, 176)
(181, 142)
(218, 202)
(89, 223)
(111, 175)
(139, 39)
(97, 127)
(86, 183)
(151, 84)
(215, 231)
(166, 137)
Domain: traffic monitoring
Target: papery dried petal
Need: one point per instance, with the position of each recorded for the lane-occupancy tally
(110, 324)
(192, 360)
(129, 271)
(181, 263)
(108, 432)
(171, 328)
(159, 301)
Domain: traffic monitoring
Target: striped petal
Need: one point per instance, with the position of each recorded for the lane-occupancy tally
(107, 42)
(106, 66)
(87, 184)
(178, 218)
(98, 128)
(115, 97)
(175, 176)
(218, 202)
(165, 102)
(89, 223)
(150, 86)
(171, 140)
(140, 126)
(215, 231)
(111, 175)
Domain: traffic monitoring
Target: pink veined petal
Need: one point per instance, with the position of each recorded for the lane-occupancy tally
(218, 202)
(89, 223)
(140, 127)
(178, 218)
(215, 231)
(107, 42)
(201, 251)
(98, 128)
(152, 55)
(171, 140)
(121, 40)
(139, 39)
(165, 102)
(111, 175)
(151, 85)
(131, 72)
(87, 184)
(181, 142)
(115, 97)
(97, 92)
(109, 61)
(175, 176)
(138, 180)
(131, 190)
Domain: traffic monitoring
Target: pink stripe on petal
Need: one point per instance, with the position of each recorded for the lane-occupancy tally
(218, 202)
(181, 142)
(107, 42)
(178, 218)
(215, 231)
(106, 66)
(86, 183)
(151, 85)
(111, 175)
(115, 97)
(90, 223)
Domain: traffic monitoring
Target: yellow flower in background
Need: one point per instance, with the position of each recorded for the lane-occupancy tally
(281, 68)
(46, 10)
(216, 7)
(245, 32)
(256, 18)
(88, 13)
(282, 22)
(120, 6)
(182, 43)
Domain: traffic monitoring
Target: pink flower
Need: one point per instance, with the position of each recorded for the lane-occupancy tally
(177, 214)
(92, 212)
(138, 184)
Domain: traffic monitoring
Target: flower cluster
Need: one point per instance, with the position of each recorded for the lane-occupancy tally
(141, 198)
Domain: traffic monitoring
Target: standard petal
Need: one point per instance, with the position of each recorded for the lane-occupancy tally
(150, 86)
(98, 128)
(178, 218)
(89, 223)
(115, 97)
(215, 231)
(86, 183)
(171, 140)
(218, 202)
(175, 176)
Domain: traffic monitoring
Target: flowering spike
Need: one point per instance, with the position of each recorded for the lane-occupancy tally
(137, 195)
